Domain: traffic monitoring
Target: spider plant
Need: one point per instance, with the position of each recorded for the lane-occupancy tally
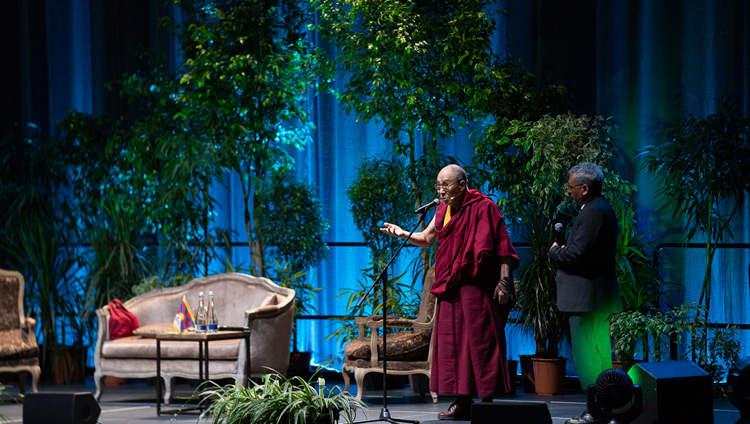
(281, 400)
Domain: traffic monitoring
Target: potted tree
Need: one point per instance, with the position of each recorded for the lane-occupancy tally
(239, 99)
(704, 170)
(419, 70)
(530, 167)
(39, 231)
(377, 188)
(292, 222)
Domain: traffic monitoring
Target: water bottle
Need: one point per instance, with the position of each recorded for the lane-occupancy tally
(213, 320)
(200, 318)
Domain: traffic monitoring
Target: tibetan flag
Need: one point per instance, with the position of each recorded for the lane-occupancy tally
(184, 318)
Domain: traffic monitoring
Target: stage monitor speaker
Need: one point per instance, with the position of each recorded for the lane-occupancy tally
(674, 392)
(60, 408)
(515, 412)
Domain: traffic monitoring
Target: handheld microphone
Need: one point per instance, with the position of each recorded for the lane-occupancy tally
(425, 208)
(559, 236)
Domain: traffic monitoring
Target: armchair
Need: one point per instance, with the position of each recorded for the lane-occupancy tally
(409, 351)
(19, 350)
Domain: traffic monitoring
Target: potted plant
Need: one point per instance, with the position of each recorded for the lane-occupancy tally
(277, 399)
(293, 226)
(650, 330)
(37, 238)
(378, 187)
(530, 166)
(653, 332)
(638, 274)
(704, 170)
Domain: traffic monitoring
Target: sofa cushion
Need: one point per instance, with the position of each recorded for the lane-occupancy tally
(151, 330)
(392, 366)
(402, 346)
(142, 368)
(145, 348)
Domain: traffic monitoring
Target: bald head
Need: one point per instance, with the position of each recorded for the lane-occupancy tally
(454, 171)
(451, 185)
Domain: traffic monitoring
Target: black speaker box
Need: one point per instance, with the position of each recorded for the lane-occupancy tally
(60, 408)
(510, 412)
(674, 392)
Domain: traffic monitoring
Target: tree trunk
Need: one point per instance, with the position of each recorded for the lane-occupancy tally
(258, 246)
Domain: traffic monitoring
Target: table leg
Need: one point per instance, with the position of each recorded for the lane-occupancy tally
(207, 360)
(158, 377)
(202, 363)
(200, 360)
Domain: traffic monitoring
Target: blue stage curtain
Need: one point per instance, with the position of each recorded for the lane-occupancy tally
(641, 62)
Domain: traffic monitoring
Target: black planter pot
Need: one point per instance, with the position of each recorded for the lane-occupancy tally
(325, 417)
(299, 364)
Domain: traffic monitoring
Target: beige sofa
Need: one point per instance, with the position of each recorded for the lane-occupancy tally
(240, 299)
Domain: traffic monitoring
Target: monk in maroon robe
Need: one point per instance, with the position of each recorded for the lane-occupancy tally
(474, 289)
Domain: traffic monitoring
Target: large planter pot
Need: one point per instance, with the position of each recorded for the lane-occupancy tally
(64, 365)
(513, 374)
(110, 380)
(299, 364)
(624, 365)
(527, 373)
(549, 376)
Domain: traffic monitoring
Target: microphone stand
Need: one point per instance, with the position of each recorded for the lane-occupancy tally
(385, 415)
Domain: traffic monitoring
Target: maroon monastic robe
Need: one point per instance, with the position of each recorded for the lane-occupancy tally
(469, 355)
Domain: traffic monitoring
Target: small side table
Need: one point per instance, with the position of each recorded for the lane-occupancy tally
(203, 359)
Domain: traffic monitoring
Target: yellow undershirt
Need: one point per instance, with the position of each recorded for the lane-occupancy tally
(447, 216)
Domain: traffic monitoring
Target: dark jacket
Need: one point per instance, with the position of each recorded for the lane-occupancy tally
(586, 278)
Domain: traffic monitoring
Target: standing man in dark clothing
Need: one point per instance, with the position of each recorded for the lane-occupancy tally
(586, 281)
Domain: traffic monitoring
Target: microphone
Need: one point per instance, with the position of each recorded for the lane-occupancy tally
(559, 236)
(428, 206)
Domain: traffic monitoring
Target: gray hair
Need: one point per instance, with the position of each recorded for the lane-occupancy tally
(589, 174)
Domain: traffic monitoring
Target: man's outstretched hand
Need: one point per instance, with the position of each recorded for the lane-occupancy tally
(393, 230)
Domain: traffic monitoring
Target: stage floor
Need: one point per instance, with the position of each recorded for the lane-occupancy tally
(134, 402)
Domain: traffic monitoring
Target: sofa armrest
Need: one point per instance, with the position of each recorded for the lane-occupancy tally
(270, 308)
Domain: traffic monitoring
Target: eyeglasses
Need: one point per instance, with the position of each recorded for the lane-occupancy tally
(569, 187)
(444, 185)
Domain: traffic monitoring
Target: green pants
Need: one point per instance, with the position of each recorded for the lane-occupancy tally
(590, 342)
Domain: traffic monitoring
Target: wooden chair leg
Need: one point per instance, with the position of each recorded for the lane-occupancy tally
(359, 378)
(36, 372)
(22, 382)
(345, 374)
